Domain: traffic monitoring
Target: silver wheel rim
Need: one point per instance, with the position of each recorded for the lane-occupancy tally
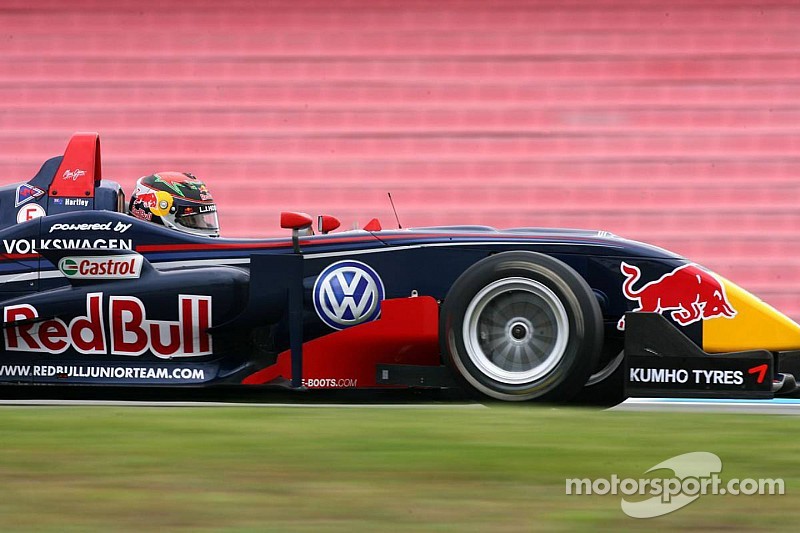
(515, 330)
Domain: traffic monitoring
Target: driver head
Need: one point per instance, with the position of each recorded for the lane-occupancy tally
(177, 200)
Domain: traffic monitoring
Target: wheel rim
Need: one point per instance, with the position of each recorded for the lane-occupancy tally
(515, 330)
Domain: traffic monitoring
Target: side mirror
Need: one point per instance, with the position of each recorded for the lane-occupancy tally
(373, 225)
(296, 222)
(327, 223)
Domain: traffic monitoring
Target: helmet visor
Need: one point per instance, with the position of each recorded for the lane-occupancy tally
(198, 218)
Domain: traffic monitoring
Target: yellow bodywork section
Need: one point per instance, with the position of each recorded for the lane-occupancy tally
(757, 325)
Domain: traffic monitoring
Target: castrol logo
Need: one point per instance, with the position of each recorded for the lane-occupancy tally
(107, 267)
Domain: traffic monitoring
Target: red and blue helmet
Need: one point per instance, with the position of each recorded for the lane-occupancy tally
(177, 200)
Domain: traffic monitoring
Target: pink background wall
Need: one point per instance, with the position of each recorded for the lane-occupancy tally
(676, 123)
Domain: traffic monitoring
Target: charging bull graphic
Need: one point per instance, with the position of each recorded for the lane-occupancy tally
(690, 292)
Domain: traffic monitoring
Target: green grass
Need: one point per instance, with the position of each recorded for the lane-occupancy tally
(362, 469)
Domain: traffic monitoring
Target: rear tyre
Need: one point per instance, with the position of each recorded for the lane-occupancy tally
(519, 326)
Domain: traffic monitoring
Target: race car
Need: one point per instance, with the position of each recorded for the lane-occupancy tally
(96, 290)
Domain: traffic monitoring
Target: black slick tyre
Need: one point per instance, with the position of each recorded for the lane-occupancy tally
(519, 326)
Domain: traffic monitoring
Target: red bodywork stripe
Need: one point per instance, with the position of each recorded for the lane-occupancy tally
(200, 247)
(341, 240)
(239, 246)
(406, 334)
(246, 246)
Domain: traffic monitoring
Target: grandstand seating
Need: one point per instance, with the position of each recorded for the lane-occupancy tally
(676, 122)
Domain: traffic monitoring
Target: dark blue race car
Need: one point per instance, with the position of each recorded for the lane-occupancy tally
(97, 289)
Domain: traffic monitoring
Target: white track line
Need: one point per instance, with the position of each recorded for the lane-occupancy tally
(777, 406)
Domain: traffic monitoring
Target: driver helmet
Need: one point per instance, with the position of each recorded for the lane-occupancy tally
(177, 200)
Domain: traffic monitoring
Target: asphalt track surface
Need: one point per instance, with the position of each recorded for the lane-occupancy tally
(425, 399)
(133, 403)
(228, 397)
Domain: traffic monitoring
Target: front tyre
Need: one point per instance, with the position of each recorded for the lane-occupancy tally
(521, 325)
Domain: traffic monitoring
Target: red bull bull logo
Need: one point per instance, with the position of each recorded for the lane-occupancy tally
(691, 293)
(148, 200)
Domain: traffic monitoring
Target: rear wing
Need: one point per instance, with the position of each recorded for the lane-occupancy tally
(67, 183)
(80, 170)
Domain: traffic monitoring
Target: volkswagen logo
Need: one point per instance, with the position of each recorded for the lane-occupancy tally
(348, 293)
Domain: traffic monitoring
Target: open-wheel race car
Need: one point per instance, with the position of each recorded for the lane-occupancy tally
(96, 290)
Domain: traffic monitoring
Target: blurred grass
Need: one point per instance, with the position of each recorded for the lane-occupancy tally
(363, 469)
